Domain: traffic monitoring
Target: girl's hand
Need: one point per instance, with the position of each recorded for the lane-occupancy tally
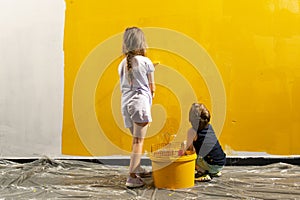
(155, 63)
(153, 94)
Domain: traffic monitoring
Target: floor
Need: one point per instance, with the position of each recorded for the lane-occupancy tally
(73, 179)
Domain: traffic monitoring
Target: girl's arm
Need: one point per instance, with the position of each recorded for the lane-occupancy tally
(151, 83)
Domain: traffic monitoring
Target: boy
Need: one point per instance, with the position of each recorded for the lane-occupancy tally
(202, 139)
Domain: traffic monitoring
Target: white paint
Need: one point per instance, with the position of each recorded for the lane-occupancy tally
(31, 77)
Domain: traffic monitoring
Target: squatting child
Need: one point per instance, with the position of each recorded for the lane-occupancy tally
(202, 139)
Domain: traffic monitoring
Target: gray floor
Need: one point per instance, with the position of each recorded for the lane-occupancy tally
(71, 179)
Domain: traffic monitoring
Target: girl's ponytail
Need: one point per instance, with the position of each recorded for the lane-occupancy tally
(129, 57)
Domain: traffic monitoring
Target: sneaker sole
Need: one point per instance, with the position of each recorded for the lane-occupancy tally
(203, 179)
(133, 186)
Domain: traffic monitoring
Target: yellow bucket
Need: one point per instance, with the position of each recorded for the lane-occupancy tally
(173, 173)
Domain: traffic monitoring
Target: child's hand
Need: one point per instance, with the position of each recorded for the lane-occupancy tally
(153, 94)
(155, 63)
(189, 152)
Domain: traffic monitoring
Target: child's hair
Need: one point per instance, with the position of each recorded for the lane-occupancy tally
(134, 43)
(199, 116)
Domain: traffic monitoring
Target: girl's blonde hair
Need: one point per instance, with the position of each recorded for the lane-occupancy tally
(199, 116)
(134, 43)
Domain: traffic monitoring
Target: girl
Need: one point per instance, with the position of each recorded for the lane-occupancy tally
(137, 86)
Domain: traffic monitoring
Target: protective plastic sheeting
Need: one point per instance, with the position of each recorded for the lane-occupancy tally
(72, 179)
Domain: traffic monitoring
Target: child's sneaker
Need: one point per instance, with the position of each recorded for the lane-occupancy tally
(199, 174)
(134, 182)
(219, 174)
(143, 173)
(203, 178)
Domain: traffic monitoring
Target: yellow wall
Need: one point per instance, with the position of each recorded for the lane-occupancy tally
(241, 58)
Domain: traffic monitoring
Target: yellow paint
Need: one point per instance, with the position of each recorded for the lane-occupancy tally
(252, 47)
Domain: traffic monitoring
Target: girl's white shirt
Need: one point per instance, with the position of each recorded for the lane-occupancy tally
(142, 69)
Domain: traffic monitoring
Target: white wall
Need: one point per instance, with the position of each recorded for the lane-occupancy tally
(31, 77)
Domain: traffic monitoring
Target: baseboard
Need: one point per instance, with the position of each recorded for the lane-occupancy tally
(124, 161)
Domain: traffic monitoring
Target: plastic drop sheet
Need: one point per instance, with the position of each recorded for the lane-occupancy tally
(73, 179)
